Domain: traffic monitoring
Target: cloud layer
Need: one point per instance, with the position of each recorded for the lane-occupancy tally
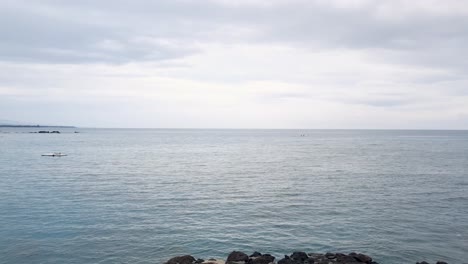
(266, 64)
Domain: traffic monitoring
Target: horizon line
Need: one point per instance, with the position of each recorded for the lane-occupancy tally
(214, 128)
(228, 128)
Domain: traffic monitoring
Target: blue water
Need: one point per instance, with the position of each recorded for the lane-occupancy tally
(143, 196)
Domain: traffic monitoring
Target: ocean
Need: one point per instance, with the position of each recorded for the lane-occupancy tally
(146, 195)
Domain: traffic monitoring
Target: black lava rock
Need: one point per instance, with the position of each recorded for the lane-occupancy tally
(263, 259)
(342, 258)
(286, 260)
(187, 259)
(363, 258)
(237, 256)
(299, 256)
(256, 254)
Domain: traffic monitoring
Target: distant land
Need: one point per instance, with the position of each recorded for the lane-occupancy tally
(35, 126)
(10, 123)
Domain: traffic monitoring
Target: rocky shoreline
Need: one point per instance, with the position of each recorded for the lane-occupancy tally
(237, 257)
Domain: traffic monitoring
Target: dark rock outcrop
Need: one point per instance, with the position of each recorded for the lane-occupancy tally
(343, 258)
(263, 259)
(237, 257)
(361, 258)
(299, 256)
(256, 254)
(286, 260)
(187, 259)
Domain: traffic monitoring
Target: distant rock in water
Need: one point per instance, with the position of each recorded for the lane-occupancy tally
(48, 132)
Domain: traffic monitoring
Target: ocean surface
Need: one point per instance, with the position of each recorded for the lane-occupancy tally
(145, 195)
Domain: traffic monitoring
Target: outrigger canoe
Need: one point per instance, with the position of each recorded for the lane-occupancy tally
(55, 154)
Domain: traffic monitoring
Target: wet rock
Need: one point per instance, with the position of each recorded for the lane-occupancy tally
(343, 258)
(324, 262)
(441, 262)
(318, 259)
(237, 257)
(423, 262)
(286, 260)
(187, 259)
(256, 254)
(363, 258)
(263, 259)
(299, 256)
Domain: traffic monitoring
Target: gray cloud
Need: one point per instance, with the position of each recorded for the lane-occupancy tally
(122, 31)
(50, 33)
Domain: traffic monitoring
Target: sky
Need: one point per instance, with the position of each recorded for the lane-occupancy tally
(383, 64)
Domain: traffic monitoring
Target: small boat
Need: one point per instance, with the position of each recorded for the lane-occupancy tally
(55, 154)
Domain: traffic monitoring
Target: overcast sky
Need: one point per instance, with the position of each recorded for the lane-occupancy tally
(235, 64)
